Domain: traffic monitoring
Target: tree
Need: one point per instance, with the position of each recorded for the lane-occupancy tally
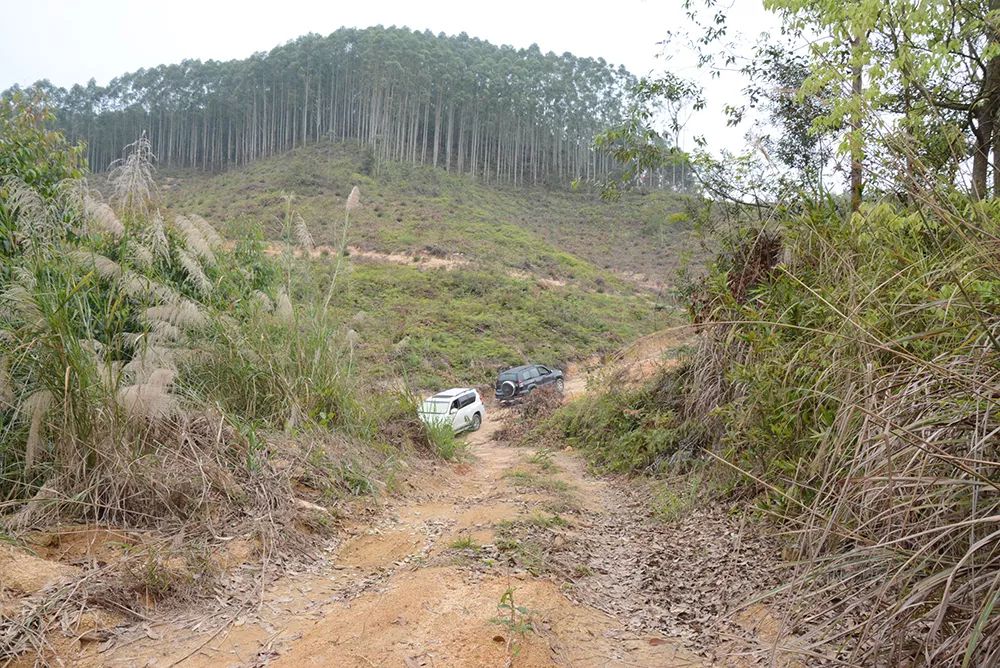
(637, 146)
(503, 114)
(35, 161)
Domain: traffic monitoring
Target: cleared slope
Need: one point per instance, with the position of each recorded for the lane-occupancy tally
(450, 279)
(413, 209)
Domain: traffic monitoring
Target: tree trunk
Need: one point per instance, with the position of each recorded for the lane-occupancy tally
(986, 113)
(857, 142)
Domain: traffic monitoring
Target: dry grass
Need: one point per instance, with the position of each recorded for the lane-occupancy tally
(856, 389)
(525, 416)
(147, 374)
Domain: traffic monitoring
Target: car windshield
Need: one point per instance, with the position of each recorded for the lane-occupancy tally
(435, 407)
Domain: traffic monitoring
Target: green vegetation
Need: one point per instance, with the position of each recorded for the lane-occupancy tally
(543, 459)
(850, 385)
(445, 442)
(516, 619)
(844, 375)
(438, 327)
(511, 295)
(464, 543)
(543, 521)
(420, 211)
(544, 482)
(139, 355)
(641, 429)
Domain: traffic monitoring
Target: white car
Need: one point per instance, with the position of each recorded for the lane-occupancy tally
(460, 407)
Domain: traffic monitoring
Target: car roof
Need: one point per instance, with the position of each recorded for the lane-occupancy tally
(523, 367)
(452, 393)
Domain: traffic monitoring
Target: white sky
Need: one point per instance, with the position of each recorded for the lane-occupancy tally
(69, 41)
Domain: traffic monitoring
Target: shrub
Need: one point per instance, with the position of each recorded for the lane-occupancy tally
(444, 441)
(855, 383)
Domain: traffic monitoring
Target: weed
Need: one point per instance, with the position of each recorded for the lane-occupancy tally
(464, 543)
(516, 619)
(531, 480)
(445, 442)
(543, 521)
(543, 459)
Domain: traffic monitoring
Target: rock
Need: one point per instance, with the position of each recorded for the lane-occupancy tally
(302, 504)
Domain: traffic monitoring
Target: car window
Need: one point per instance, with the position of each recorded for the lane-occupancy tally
(508, 375)
(532, 373)
(466, 399)
(456, 404)
(542, 371)
(434, 407)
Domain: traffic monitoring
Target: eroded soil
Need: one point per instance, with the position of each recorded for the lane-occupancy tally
(421, 587)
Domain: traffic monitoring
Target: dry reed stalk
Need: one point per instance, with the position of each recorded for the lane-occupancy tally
(353, 202)
(132, 178)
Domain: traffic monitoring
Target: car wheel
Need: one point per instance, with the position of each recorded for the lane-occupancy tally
(477, 422)
(560, 385)
(507, 390)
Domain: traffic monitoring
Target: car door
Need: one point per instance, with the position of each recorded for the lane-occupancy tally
(464, 415)
(544, 375)
(530, 379)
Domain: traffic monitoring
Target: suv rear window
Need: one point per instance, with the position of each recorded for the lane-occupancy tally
(508, 375)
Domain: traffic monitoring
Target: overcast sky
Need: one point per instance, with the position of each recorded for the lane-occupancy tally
(69, 42)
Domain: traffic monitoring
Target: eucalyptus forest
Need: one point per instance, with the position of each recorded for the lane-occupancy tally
(504, 114)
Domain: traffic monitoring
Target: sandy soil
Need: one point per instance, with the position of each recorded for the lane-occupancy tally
(404, 592)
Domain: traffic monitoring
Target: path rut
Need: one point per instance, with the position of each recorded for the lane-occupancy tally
(407, 592)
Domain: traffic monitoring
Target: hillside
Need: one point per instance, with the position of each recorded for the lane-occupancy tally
(458, 102)
(421, 211)
(449, 278)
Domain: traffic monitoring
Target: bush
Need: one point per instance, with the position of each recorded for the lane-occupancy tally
(856, 382)
(141, 358)
(639, 430)
(444, 441)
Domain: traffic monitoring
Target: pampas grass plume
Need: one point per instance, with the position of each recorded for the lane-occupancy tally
(35, 407)
(354, 199)
(283, 309)
(102, 217)
(194, 271)
(302, 235)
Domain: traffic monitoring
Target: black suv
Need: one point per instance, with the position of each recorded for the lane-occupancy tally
(521, 380)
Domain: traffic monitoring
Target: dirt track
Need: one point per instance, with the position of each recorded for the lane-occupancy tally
(404, 593)
(421, 586)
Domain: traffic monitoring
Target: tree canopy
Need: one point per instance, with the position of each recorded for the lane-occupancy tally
(504, 114)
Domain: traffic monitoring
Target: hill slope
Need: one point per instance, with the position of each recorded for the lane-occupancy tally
(418, 210)
(450, 278)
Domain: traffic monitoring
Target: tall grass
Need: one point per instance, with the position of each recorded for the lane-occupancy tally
(858, 387)
(137, 354)
(847, 371)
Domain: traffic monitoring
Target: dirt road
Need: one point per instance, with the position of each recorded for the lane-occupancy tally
(513, 557)
(422, 587)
